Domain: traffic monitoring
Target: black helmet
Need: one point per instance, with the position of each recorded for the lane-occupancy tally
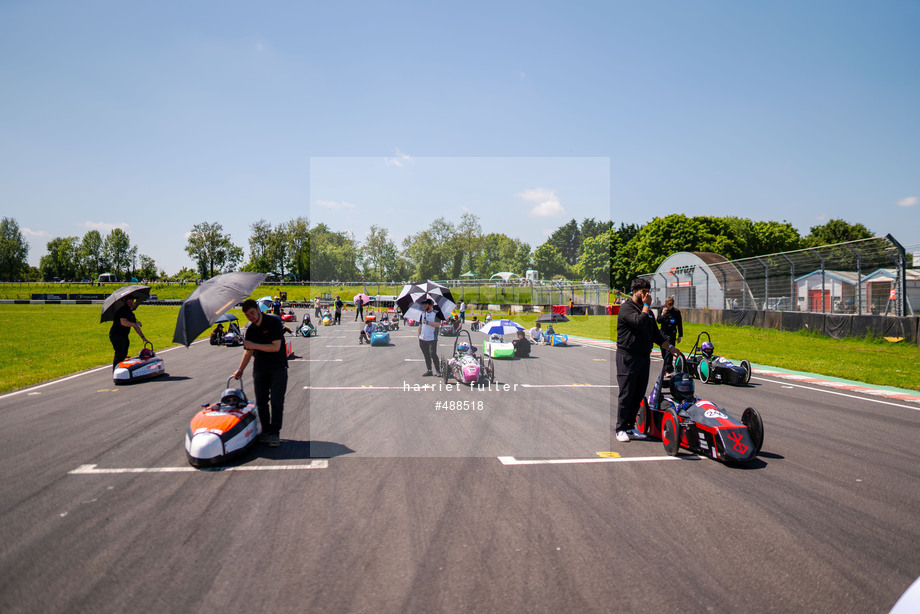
(682, 387)
(233, 397)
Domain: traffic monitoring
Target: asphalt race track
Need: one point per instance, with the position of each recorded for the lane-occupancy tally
(377, 501)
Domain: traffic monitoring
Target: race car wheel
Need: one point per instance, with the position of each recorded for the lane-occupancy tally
(705, 370)
(747, 371)
(642, 417)
(751, 419)
(445, 370)
(670, 432)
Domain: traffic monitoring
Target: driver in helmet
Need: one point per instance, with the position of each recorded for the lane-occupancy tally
(707, 349)
(682, 389)
(233, 398)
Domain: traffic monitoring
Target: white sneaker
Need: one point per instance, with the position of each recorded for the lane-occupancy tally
(622, 436)
(637, 434)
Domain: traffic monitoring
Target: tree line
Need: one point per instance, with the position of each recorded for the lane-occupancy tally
(446, 249)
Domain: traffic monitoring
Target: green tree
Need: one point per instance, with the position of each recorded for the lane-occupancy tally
(429, 251)
(61, 260)
(148, 267)
(92, 260)
(567, 240)
(594, 262)
(259, 239)
(774, 237)
(117, 251)
(548, 261)
(212, 250)
(836, 231)
(380, 258)
(13, 250)
(297, 239)
(333, 255)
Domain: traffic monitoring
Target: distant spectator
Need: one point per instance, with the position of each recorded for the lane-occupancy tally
(672, 329)
(536, 333)
(338, 310)
(359, 309)
(521, 345)
(366, 333)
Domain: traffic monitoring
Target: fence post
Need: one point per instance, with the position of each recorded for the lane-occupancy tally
(766, 284)
(823, 282)
(859, 289)
(744, 285)
(901, 280)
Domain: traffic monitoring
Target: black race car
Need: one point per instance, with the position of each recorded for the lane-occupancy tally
(684, 421)
(702, 364)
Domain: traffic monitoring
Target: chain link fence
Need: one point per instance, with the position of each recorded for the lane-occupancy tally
(867, 277)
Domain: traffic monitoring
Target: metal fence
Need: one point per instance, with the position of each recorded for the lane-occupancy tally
(870, 276)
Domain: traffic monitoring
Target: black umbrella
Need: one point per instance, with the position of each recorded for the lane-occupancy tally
(410, 300)
(552, 316)
(116, 300)
(210, 301)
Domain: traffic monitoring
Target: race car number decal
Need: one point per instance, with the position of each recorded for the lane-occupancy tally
(715, 413)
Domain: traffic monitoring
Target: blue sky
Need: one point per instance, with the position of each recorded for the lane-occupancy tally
(157, 116)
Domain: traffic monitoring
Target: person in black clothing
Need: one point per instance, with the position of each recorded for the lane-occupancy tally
(672, 329)
(338, 310)
(265, 344)
(521, 345)
(636, 333)
(121, 328)
(359, 309)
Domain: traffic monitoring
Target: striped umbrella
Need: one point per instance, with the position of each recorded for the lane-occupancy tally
(411, 298)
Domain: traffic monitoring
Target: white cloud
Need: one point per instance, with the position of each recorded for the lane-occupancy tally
(105, 226)
(399, 161)
(331, 204)
(36, 234)
(547, 202)
(910, 201)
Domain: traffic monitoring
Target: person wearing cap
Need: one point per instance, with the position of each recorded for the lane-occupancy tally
(427, 337)
(122, 324)
(637, 332)
(265, 346)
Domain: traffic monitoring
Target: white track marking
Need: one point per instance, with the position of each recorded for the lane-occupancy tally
(92, 470)
(568, 385)
(785, 384)
(510, 460)
(314, 360)
(412, 386)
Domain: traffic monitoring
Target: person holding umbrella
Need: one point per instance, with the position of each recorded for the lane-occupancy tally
(265, 343)
(122, 324)
(359, 308)
(427, 338)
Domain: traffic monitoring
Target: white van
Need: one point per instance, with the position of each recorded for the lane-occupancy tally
(107, 278)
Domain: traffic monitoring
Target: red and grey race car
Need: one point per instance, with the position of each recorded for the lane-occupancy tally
(707, 367)
(684, 421)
